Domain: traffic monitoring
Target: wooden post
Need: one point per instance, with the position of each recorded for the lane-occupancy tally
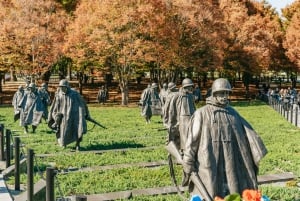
(292, 112)
(280, 109)
(17, 163)
(50, 195)
(30, 186)
(7, 140)
(296, 117)
(1, 142)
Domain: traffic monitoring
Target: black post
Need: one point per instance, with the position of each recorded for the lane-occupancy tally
(280, 109)
(292, 112)
(296, 117)
(1, 142)
(50, 184)
(30, 175)
(7, 140)
(17, 163)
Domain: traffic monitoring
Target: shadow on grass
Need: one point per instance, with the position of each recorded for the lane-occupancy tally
(114, 145)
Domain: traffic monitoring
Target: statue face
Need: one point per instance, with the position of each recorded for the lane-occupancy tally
(189, 89)
(64, 89)
(222, 97)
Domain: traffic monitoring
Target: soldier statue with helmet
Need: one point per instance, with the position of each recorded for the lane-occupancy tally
(150, 102)
(165, 109)
(43, 92)
(222, 150)
(156, 103)
(178, 111)
(32, 108)
(15, 102)
(67, 115)
(163, 93)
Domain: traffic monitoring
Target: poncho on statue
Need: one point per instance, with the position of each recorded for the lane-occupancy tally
(223, 149)
(71, 110)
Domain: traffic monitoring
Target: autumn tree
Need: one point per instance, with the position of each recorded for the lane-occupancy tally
(110, 36)
(188, 35)
(292, 36)
(32, 35)
(255, 37)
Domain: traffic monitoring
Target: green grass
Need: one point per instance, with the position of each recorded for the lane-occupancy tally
(127, 129)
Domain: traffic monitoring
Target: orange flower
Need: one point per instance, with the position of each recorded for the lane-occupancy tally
(218, 199)
(251, 195)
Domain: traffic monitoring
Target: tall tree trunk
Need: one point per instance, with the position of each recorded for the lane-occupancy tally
(124, 92)
(80, 80)
(69, 73)
(1, 78)
(12, 74)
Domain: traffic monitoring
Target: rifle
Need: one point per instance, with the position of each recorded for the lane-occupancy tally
(95, 122)
(171, 148)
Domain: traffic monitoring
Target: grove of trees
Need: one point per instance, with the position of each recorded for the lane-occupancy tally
(168, 38)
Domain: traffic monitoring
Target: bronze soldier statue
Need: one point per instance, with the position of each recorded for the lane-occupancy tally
(68, 114)
(221, 148)
(15, 102)
(180, 108)
(32, 108)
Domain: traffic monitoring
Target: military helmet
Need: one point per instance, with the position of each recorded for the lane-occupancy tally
(63, 83)
(154, 85)
(32, 85)
(165, 85)
(20, 87)
(187, 82)
(220, 84)
(171, 85)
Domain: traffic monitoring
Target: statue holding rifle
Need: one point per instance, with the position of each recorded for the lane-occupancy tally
(68, 115)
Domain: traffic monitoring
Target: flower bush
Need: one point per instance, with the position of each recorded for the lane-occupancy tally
(247, 195)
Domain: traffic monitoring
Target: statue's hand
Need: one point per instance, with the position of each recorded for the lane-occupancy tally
(185, 179)
(58, 118)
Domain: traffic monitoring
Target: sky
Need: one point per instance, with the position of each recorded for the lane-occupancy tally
(278, 4)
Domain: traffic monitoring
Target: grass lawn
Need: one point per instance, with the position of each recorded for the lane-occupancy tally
(145, 143)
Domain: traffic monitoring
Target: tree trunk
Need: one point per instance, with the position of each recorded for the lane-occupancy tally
(125, 95)
(80, 86)
(80, 80)
(1, 78)
(12, 74)
(69, 73)
(124, 92)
